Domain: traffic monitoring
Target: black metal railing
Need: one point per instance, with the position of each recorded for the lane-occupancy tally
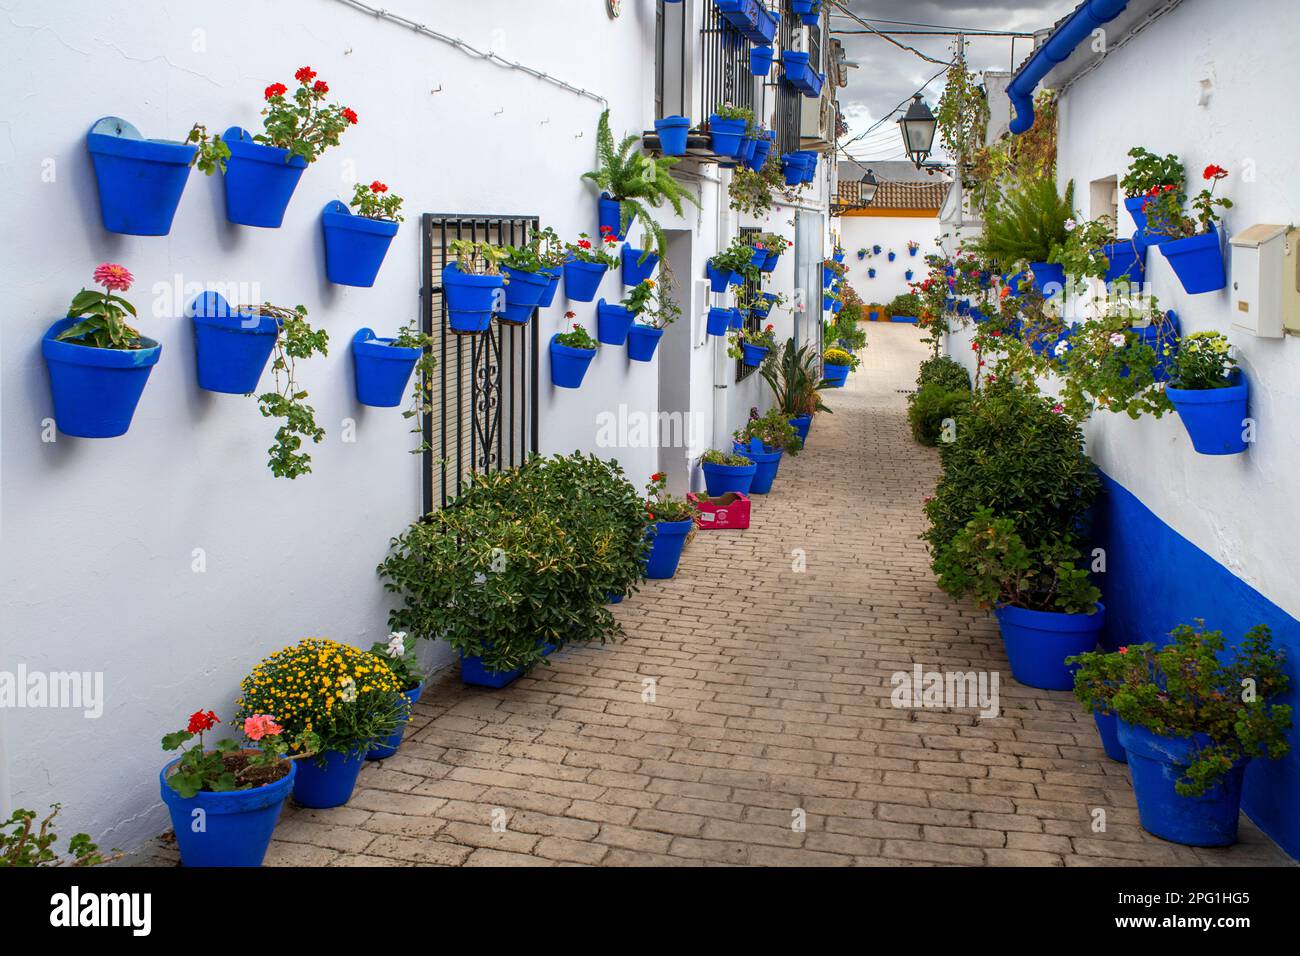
(724, 66)
(787, 101)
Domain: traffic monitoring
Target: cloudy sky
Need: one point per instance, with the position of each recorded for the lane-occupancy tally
(887, 75)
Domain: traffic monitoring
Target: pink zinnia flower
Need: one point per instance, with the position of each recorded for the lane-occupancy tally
(113, 277)
(1058, 409)
(261, 725)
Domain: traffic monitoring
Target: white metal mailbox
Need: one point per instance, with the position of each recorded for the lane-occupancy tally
(1259, 278)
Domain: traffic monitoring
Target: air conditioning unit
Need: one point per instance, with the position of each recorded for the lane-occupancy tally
(817, 118)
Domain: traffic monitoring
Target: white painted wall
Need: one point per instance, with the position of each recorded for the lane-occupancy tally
(100, 536)
(858, 232)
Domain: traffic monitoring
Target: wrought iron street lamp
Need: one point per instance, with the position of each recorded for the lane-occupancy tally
(867, 188)
(918, 127)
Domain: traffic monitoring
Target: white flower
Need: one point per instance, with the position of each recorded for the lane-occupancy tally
(1117, 339)
(347, 690)
(1062, 348)
(396, 644)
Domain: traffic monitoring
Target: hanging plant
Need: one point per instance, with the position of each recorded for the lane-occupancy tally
(295, 339)
(410, 336)
(752, 192)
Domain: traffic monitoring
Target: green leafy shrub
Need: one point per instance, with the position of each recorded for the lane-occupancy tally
(794, 380)
(772, 428)
(1028, 223)
(1204, 361)
(25, 843)
(907, 304)
(928, 409)
(944, 372)
(715, 456)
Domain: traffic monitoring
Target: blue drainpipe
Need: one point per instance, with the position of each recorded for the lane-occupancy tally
(1087, 17)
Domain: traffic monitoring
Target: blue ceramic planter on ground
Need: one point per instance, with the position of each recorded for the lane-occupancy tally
(231, 345)
(472, 671)
(1155, 764)
(726, 134)
(95, 391)
(611, 217)
(327, 780)
(569, 365)
(766, 461)
(612, 323)
(752, 355)
(634, 270)
(382, 369)
(471, 299)
(552, 285)
(642, 340)
(720, 479)
(801, 425)
(719, 321)
(666, 543)
(237, 824)
(1049, 277)
(1038, 642)
(389, 747)
(582, 279)
(1214, 417)
(524, 292)
(259, 180)
(1108, 731)
(673, 131)
(140, 180)
(354, 245)
(1127, 262)
(835, 375)
(1197, 261)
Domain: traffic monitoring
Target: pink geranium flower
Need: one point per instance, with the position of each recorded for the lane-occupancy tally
(261, 725)
(113, 277)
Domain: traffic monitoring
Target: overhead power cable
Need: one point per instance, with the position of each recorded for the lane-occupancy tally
(888, 39)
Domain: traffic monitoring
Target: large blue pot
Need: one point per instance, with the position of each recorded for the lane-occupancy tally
(231, 346)
(382, 369)
(719, 321)
(1038, 642)
(329, 783)
(666, 543)
(95, 391)
(552, 284)
(726, 134)
(140, 180)
(719, 279)
(720, 479)
(836, 375)
(473, 671)
(673, 131)
(389, 747)
(634, 270)
(1128, 261)
(1108, 730)
(752, 355)
(471, 299)
(1197, 261)
(642, 340)
(569, 365)
(1155, 763)
(801, 425)
(524, 293)
(1049, 277)
(611, 217)
(1214, 417)
(767, 462)
(259, 180)
(354, 245)
(612, 323)
(582, 279)
(236, 825)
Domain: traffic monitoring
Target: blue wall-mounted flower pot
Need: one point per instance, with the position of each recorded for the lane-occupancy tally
(719, 279)
(762, 148)
(912, 252)
(1214, 417)
(611, 217)
(767, 462)
(382, 369)
(471, 299)
(908, 275)
(837, 305)
(770, 261)
(95, 391)
(1038, 642)
(389, 747)
(666, 543)
(835, 375)
(642, 340)
(719, 321)
(748, 144)
(524, 291)
(763, 309)
(582, 279)
(1128, 261)
(330, 782)
(726, 134)
(569, 365)
(828, 276)
(1108, 730)
(1134, 207)
(801, 425)
(1197, 261)
(875, 250)
(760, 60)
(753, 355)
(355, 246)
(237, 824)
(259, 180)
(807, 11)
(871, 273)
(612, 322)
(1049, 277)
(673, 131)
(231, 345)
(794, 65)
(750, 18)
(792, 168)
(1155, 764)
(720, 479)
(893, 256)
(140, 180)
(635, 271)
(737, 320)
(552, 285)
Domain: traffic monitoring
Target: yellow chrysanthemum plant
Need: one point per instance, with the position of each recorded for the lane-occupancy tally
(349, 698)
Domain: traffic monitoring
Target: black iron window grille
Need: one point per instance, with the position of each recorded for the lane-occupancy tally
(724, 66)
(787, 101)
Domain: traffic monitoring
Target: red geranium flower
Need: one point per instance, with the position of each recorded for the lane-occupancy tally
(305, 74)
(570, 315)
(657, 476)
(321, 87)
(584, 244)
(378, 187)
(1123, 650)
(1215, 172)
(199, 721)
(275, 89)
(349, 115)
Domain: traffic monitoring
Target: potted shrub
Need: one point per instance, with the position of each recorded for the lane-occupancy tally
(98, 364)
(835, 367)
(383, 367)
(1192, 714)
(481, 572)
(764, 439)
(140, 180)
(1210, 394)
(795, 384)
(1191, 243)
(653, 309)
(673, 131)
(263, 170)
(671, 521)
(752, 345)
(727, 127)
(472, 285)
(630, 180)
(1026, 225)
(724, 472)
(347, 698)
(236, 790)
(1147, 176)
(356, 243)
(527, 282)
(571, 354)
(587, 264)
(398, 655)
(1097, 677)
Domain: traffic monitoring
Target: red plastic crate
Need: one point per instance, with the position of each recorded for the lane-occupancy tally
(730, 512)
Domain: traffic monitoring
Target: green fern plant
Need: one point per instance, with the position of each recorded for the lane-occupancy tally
(637, 181)
(1028, 223)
